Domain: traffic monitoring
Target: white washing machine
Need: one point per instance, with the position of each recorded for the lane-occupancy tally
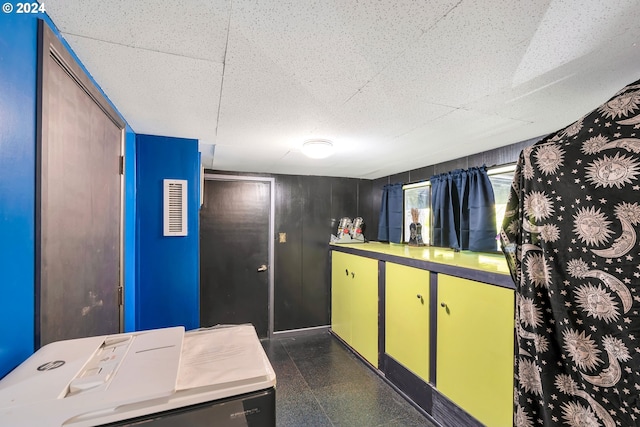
(162, 377)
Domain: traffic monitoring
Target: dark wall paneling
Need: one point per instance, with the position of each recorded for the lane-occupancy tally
(450, 415)
(402, 177)
(316, 233)
(508, 154)
(344, 201)
(421, 174)
(376, 198)
(476, 160)
(288, 254)
(365, 207)
(461, 163)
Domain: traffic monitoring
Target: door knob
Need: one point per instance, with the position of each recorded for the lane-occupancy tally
(262, 268)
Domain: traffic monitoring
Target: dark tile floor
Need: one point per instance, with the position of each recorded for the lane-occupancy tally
(321, 383)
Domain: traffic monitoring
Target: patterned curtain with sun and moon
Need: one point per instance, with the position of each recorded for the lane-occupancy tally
(570, 237)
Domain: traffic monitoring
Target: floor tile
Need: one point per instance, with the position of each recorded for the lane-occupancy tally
(410, 419)
(364, 403)
(289, 381)
(329, 369)
(298, 410)
(275, 350)
(312, 346)
(319, 382)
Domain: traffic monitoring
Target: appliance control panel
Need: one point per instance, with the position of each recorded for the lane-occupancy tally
(101, 368)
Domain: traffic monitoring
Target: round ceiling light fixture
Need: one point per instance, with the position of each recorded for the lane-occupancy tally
(317, 148)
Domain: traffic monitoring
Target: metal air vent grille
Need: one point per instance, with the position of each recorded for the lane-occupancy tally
(175, 207)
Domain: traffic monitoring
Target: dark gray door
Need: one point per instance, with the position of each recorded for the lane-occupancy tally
(234, 254)
(79, 204)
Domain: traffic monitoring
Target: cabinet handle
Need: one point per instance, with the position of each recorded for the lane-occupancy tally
(346, 271)
(419, 296)
(443, 304)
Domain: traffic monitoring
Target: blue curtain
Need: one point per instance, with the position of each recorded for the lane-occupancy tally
(463, 207)
(390, 223)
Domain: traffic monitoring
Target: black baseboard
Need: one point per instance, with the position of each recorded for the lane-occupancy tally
(413, 386)
(448, 414)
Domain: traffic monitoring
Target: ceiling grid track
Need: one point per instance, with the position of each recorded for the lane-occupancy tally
(224, 66)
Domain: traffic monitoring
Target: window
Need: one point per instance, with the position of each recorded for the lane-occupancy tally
(501, 178)
(417, 197)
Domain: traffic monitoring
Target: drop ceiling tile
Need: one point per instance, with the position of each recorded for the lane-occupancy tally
(377, 111)
(266, 159)
(262, 104)
(157, 93)
(467, 55)
(332, 48)
(569, 31)
(383, 30)
(193, 29)
(309, 44)
(572, 90)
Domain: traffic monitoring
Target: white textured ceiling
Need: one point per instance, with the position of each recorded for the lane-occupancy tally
(395, 84)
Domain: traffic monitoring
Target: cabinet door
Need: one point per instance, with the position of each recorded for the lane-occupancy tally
(407, 317)
(341, 296)
(364, 307)
(475, 348)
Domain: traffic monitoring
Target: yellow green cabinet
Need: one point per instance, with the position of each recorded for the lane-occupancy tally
(340, 296)
(354, 303)
(407, 317)
(474, 356)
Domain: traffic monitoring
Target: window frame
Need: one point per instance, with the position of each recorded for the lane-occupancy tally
(508, 168)
(426, 237)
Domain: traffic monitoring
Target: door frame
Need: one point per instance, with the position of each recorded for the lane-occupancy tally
(272, 235)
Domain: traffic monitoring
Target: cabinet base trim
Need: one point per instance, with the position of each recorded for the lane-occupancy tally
(413, 386)
(448, 414)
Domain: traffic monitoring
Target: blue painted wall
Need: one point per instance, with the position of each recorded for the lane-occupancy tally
(18, 69)
(168, 292)
(18, 50)
(129, 231)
